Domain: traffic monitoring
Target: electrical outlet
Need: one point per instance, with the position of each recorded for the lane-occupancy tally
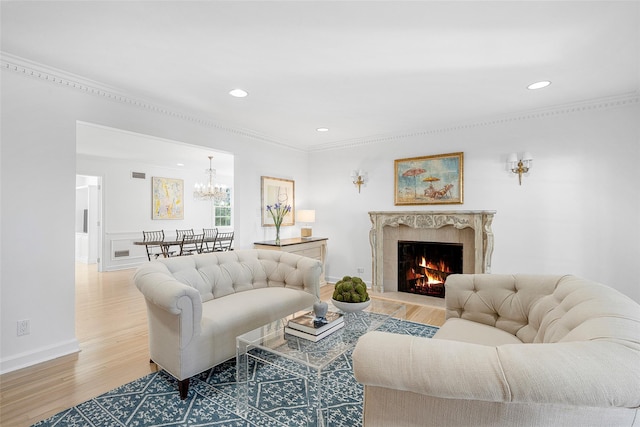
(24, 327)
(360, 269)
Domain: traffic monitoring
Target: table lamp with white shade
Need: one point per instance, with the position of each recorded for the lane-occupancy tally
(306, 216)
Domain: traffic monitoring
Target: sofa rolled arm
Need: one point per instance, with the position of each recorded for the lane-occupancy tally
(166, 293)
(163, 291)
(434, 367)
(312, 269)
(598, 373)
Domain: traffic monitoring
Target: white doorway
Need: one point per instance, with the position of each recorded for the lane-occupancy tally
(88, 220)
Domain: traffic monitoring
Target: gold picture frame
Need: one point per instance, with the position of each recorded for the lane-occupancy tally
(430, 180)
(167, 198)
(277, 190)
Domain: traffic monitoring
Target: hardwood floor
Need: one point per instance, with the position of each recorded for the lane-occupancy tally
(111, 326)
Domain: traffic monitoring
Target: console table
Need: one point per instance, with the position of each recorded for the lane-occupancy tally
(312, 247)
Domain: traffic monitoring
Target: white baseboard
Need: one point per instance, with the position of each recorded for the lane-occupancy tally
(40, 355)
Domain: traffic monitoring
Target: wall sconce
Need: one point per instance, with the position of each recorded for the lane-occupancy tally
(520, 165)
(307, 217)
(359, 178)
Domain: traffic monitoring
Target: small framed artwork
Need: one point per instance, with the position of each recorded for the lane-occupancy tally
(429, 180)
(167, 198)
(277, 190)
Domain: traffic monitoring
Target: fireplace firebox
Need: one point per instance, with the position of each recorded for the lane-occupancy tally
(423, 267)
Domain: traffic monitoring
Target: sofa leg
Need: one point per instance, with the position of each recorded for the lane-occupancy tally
(183, 388)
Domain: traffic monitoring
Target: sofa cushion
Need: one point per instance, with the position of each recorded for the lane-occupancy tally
(475, 333)
(226, 318)
(244, 311)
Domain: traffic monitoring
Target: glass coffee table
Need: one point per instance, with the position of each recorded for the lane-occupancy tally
(271, 352)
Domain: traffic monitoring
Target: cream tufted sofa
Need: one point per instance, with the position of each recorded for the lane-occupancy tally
(520, 350)
(197, 305)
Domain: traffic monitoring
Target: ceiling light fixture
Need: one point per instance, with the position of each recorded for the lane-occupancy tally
(539, 85)
(209, 190)
(322, 129)
(238, 93)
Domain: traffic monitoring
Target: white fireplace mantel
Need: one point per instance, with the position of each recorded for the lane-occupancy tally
(478, 221)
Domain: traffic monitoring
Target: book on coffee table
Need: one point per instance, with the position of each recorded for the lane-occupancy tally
(314, 337)
(310, 324)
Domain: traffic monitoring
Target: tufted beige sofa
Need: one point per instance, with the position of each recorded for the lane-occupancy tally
(197, 305)
(524, 350)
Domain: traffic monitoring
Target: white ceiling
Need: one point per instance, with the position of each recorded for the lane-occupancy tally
(363, 69)
(102, 141)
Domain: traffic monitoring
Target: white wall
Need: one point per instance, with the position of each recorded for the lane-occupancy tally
(577, 212)
(37, 184)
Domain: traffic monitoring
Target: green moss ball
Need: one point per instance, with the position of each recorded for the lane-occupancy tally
(350, 289)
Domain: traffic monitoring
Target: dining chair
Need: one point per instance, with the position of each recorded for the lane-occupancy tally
(223, 241)
(180, 233)
(154, 247)
(191, 244)
(210, 235)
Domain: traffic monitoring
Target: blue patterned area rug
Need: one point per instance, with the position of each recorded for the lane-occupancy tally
(154, 401)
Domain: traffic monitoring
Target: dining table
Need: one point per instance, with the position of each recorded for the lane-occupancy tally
(166, 245)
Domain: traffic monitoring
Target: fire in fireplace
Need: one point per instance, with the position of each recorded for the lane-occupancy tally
(423, 267)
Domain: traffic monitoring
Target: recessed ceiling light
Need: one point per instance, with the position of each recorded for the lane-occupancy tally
(539, 85)
(238, 93)
(323, 129)
(179, 164)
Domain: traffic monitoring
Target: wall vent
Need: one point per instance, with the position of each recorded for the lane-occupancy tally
(138, 175)
(119, 254)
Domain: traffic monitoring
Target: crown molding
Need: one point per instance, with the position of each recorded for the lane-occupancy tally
(604, 103)
(72, 81)
(65, 79)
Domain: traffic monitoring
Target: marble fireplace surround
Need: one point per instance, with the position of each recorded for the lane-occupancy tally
(471, 228)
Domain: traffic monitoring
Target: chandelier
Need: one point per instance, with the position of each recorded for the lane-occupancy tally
(209, 191)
